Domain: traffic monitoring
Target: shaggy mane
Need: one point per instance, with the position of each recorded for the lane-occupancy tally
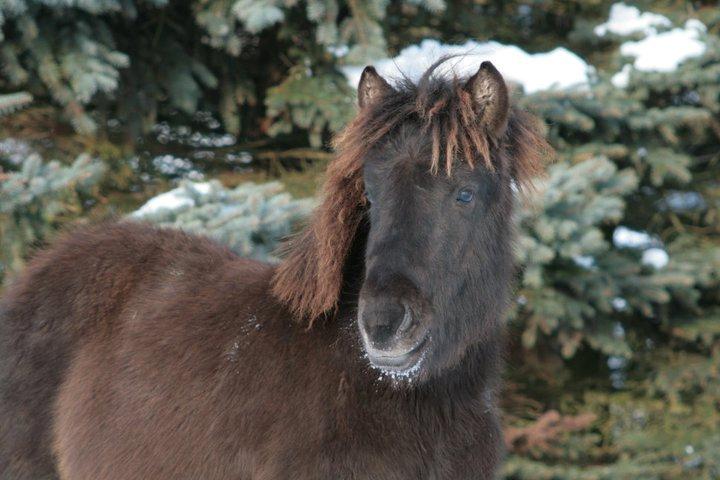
(310, 278)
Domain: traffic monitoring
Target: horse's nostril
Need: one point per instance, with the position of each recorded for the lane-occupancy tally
(381, 334)
(385, 322)
(407, 321)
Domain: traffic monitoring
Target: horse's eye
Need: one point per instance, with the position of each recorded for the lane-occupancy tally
(465, 195)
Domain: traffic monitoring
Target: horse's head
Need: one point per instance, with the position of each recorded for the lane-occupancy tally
(431, 169)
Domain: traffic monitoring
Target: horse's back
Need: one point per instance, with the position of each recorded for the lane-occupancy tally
(155, 397)
(78, 293)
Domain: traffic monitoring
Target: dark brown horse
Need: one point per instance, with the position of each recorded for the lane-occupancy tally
(372, 352)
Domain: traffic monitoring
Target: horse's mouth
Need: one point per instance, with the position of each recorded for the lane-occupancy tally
(399, 362)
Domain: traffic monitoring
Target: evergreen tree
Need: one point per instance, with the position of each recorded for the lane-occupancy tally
(12, 102)
(621, 267)
(251, 219)
(135, 59)
(36, 199)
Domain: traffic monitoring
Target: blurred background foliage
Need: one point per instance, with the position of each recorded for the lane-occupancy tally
(615, 332)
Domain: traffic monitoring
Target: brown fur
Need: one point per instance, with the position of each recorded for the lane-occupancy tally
(131, 352)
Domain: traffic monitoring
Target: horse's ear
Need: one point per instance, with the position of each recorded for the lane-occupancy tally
(371, 87)
(490, 95)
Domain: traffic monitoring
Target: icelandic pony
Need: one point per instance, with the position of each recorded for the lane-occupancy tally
(373, 351)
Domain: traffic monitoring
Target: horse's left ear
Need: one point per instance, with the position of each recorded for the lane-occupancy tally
(490, 95)
(372, 87)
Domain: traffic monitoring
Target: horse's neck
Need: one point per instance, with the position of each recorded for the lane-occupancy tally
(476, 375)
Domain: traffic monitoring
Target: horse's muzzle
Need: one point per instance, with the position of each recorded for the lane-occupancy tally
(394, 333)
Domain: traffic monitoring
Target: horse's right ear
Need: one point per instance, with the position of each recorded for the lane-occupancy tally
(490, 95)
(371, 87)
